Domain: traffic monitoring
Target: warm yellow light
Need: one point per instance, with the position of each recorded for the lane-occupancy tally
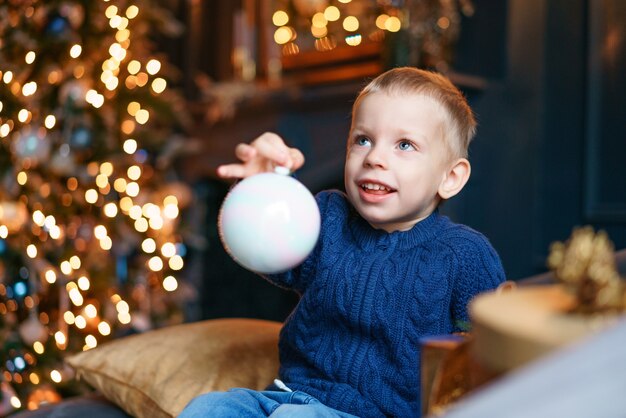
(155, 263)
(148, 245)
(345, 1)
(380, 21)
(55, 232)
(319, 20)
(130, 146)
(91, 311)
(351, 24)
(132, 12)
(104, 328)
(170, 200)
(319, 32)
(34, 378)
(170, 283)
(38, 347)
(75, 51)
(135, 212)
(153, 66)
(30, 57)
(133, 172)
(66, 267)
(83, 283)
(91, 196)
(4, 130)
(50, 276)
(393, 24)
(141, 225)
(29, 89)
(353, 40)
(56, 377)
(75, 262)
(23, 115)
(124, 318)
(170, 211)
(22, 178)
(128, 126)
(90, 341)
(126, 202)
(159, 85)
(15, 402)
(31, 251)
(122, 35)
(60, 338)
(332, 13)
(142, 116)
(120, 185)
(50, 121)
(132, 108)
(7, 77)
(133, 67)
(156, 223)
(176, 262)
(168, 249)
(132, 189)
(4, 231)
(106, 168)
(110, 11)
(75, 296)
(100, 231)
(69, 318)
(110, 210)
(80, 322)
(122, 306)
(283, 35)
(106, 243)
(102, 181)
(280, 18)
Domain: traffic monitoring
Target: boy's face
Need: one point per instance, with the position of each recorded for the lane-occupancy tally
(396, 159)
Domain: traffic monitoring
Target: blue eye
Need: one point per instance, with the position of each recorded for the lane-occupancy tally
(363, 141)
(405, 146)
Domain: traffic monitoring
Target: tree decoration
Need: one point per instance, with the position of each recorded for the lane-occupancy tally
(90, 247)
(585, 264)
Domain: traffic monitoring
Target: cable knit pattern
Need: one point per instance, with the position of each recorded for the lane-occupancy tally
(368, 296)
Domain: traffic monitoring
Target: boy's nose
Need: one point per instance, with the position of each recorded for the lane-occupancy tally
(375, 158)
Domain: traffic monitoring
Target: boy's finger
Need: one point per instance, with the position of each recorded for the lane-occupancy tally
(245, 152)
(273, 150)
(232, 171)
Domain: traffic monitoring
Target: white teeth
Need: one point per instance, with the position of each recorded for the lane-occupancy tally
(372, 186)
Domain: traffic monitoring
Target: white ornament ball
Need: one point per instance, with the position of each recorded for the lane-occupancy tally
(269, 223)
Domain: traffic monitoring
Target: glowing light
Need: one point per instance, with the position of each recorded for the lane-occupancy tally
(50, 276)
(50, 121)
(104, 328)
(142, 116)
(102, 181)
(4, 231)
(31, 251)
(120, 185)
(75, 262)
(153, 66)
(80, 322)
(110, 210)
(124, 318)
(380, 21)
(60, 338)
(280, 18)
(170, 283)
(56, 377)
(283, 35)
(319, 32)
(319, 20)
(132, 189)
(135, 212)
(141, 225)
(7, 77)
(30, 57)
(75, 51)
(159, 85)
(15, 402)
(168, 249)
(156, 223)
(351, 24)
(38, 347)
(393, 24)
(55, 232)
(66, 267)
(332, 13)
(126, 202)
(353, 40)
(83, 283)
(23, 115)
(170, 211)
(155, 263)
(91, 311)
(133, 108)
(133, 67)
(443, 22)
(122, 307)
(22, 178)
(34, 378)
(134, 172)
(106, 168)
(90, 341)
(91, 196)
(110, 11)
(176, 263)
(29, 89)
(132, 12)
(4, 130)
(100, 231)
(148, 245)
(106, 243)
(69, 318)
(130, 146)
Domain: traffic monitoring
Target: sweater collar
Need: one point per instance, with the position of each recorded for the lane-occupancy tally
(368, 237)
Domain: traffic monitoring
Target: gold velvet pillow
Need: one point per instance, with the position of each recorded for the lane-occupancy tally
(157, 373)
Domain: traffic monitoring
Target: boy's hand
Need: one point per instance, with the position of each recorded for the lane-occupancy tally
(260, 156)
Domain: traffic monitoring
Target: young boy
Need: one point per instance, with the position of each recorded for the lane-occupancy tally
(387, 270)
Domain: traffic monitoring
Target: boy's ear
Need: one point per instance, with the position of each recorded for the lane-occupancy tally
(455, 178)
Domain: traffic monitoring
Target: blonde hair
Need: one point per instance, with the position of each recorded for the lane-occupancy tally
(458, 118)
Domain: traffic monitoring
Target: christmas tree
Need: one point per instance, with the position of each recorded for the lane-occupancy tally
(89, 205)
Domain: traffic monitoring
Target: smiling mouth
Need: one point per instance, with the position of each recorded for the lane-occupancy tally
(376, 188)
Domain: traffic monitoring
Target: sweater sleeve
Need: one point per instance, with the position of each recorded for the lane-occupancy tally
(479, 270)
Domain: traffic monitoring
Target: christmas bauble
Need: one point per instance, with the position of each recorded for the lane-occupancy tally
(32, 330)
(269, 223)
(32, 145)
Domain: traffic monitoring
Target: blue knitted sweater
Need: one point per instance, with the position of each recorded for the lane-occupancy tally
(367, 297)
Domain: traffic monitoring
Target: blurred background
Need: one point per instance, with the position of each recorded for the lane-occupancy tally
(115, 114)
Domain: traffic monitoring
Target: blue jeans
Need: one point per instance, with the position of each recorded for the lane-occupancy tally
(241, 403)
